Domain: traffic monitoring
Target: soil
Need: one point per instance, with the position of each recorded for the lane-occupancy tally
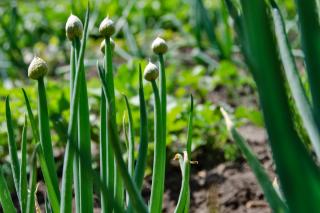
(225, 186)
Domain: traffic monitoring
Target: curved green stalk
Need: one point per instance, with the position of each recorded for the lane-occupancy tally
(159, 156)
(143, 147)
(5, 196)
(15, 165)
(23, 169)
(45, 137)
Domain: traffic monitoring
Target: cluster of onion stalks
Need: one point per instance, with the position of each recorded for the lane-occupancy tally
(119, 182)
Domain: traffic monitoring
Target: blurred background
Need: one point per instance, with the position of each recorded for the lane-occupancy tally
(204, 59)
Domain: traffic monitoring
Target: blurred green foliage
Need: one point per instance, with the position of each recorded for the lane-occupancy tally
(203, 59)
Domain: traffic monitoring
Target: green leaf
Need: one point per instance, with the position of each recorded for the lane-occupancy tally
(294, 81)
(310, 39)
(15, 166)
(285, 143)
(271, 195)
(32, 183)
(23, 168)
(45, 136)
(185, 167)
(143, 146)
(5, 197)
(158, 170)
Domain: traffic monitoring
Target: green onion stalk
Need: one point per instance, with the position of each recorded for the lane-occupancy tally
(159, 47)
(37, 70)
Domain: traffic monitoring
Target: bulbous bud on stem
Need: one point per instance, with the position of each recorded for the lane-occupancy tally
(38, 68)
(74, 28)
(103, 44)
(159, 46)
(151, 72)
(107, 27)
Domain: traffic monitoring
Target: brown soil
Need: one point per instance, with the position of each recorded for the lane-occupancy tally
(224, 187)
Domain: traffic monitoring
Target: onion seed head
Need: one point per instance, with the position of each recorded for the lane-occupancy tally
(74, 28)
(107, 27)
(151, 72)
(38, 68)
(159, 46)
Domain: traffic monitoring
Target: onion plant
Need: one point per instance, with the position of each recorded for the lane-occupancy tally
(119, 182)
(261, 29)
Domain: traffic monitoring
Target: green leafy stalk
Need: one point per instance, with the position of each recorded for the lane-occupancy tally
(114, 182)
(15, 166)
(143, 147)
(32, 120)
(5, 197)
(85, 168)
(66, 198)
(310, 39)
(76, 45)
(270, 193)
(294, 80)
(135, 197)
(159, 155)
(131, 139)
(53, 197)
(185, 188)
(32, 183)
(266, 68)
(45, 137)
(23, 169)
(103, 147)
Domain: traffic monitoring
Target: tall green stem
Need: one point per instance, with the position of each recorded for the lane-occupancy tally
(45, 137)
(159, 156)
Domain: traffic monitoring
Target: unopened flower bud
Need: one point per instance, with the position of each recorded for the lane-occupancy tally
(74, 28)
(38, 68)
(106, 27)
(151, 72)
(159, 46)
(103, 45)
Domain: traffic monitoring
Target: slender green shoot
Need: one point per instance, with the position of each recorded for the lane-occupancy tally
(66, 198)
(15, 166)
(135, 197)
(185, 188)
(271, 195)
(131, 139)
(5, 196)
(32, 183)
(143, 146)
(23, 191)
(159, 159)
(45, 136)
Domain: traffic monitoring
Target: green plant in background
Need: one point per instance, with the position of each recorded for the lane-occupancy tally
(116, 176)
(261, 30)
